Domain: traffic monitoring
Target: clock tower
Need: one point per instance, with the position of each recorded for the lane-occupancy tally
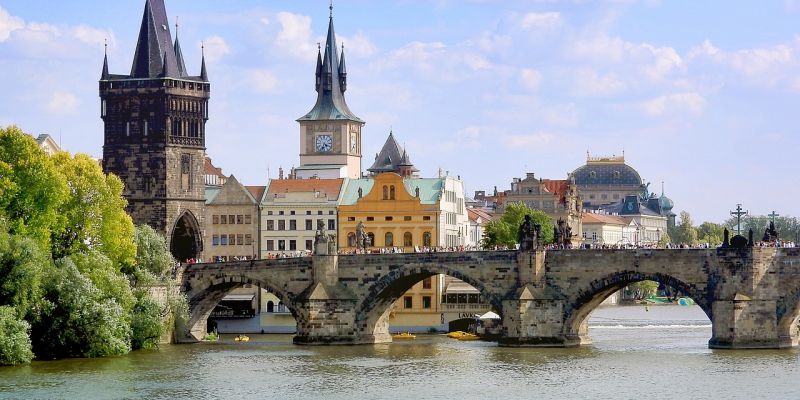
(330, 134)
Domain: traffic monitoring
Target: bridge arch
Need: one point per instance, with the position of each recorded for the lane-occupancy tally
(788, 314)
(203, 299)
(372, 313)
(591, 296)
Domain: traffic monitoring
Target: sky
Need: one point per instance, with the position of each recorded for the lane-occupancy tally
(702, 96)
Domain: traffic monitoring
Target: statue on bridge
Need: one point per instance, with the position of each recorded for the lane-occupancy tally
(529, 235)
(562, 233)
(324, 244)
(362, 239)
(770, 234)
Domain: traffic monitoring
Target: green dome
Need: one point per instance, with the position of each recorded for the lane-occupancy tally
(666, 203)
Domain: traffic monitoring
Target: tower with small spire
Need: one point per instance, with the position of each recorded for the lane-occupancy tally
(154, 134)
(330, 134)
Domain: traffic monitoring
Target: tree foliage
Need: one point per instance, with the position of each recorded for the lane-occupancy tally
(146, 326)
(711, 233)
(684, 232)
(504, 231)
(22, 264)
(31, 189)
(152, 255)
(15, 344)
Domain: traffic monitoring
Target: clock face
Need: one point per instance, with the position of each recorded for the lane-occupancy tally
(353, 143)
(324, 143)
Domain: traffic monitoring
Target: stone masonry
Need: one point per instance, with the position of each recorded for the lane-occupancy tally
(751, 296)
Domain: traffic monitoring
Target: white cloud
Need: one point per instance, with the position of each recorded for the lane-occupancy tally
(357, 45)
(587, 82)
(262, 80)
(62, 103)
(530, 78)
(93, 36)
(295, 35)
(675, 103)
(541, 21)
(8, 24)
(652, 62)
(751, 62)
(215, 48)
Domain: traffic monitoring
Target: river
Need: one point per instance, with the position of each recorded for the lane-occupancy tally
(636, 354)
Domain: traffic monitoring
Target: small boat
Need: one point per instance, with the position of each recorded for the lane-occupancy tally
(456, 334)
(469, 337)
(404, 336)
(242, 338)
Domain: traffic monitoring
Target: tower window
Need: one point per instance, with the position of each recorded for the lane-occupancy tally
(128, 129)
(146, 127)
(103, 108)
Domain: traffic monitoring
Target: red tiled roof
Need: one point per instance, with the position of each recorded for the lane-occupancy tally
(256, 191)
(558, 187)
(475, 213)
(210, 169)
(330, 187)
(589, 218)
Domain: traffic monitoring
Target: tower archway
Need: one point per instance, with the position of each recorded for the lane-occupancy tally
(186, 241)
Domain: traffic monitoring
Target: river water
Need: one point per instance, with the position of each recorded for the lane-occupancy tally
(636, 354)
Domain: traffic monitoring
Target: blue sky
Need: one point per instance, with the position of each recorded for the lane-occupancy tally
(701, 95)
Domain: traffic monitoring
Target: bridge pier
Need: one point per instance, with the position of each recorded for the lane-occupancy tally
(536, 319)
(744, 323)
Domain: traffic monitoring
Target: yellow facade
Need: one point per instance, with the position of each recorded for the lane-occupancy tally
(391, 215)
(419, 308)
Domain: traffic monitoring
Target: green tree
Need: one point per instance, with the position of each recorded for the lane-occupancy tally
(665, 240)
(146, 322)
(93, 214)
(15, 344)
(31, 189)
(22, 265)
(711, 233)
(504, 231)
(153, 258)
(684, 232)
(77, 319)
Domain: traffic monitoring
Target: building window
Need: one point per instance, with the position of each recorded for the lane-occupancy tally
(391, 193)
(407, 239)
(320, 222)
(426, 239)
(426, 218)
(308, 212)
(280, 212)
(351, 239)
(408, 302)
(407, 218)
(293, 245)
(144, 132)
(240, 219)
(426, 301)
(370, 218)
(331, 224)
(309, 245)
(584, 234)
(240, 239)
(231, 219)
(319, 212)
(371, 238)
(248, 239)
(127, 129)
(291, 212)
(351, 219)
(309, 225)
(270, 245)
(594, 235)
(248, 219)
(427, 283)
(103, 110)
(293, 225)
(215, 219)
(223, 240)
(388, 239)
(330, 212)
(215, 240)
(388, 218)
(281, 245)
(386, 193)
(281, 225)
(269, 212)
(270, 225)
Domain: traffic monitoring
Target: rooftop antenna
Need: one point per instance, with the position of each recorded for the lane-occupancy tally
(331, 8)
(105, 45)
(176, 26)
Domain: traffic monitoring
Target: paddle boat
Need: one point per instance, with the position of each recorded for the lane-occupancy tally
(404, 336)
(242, 338)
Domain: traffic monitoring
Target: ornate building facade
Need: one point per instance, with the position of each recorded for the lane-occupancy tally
(154, 134)
(558, 198)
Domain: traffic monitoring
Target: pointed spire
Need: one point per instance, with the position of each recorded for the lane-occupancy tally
(179, 53)
(342, 72)
(203, 71)
(154, 41)
(104, 75)
(319, 68)
(170, 70)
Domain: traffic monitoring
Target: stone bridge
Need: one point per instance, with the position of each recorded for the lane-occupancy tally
(751, 295)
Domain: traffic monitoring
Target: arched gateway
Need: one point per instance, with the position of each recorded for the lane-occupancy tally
(186, 240)
(752, 295)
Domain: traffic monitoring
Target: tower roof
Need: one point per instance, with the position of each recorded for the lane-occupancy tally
(391, 158)
(330, 103)
(179, 55)
(154, 48)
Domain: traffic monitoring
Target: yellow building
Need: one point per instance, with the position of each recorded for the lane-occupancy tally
(396, 212)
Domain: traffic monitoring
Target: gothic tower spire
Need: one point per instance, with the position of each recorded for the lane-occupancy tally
(179, 53)
(104, 75)
(154, 41)
(203, 71)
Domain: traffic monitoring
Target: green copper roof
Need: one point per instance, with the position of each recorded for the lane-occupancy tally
(430, 189)
(350, 195)
(210, 193)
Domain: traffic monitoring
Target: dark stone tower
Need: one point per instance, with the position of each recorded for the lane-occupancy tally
(155, 135)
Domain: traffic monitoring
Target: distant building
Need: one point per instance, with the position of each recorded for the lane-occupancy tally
(393, 158)
(558, 198)
(47, 144)
(478, 218)
(232, 230)
(605, 180)
(602, 230)
(292, 209)
(213, 176)
(651, 217)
